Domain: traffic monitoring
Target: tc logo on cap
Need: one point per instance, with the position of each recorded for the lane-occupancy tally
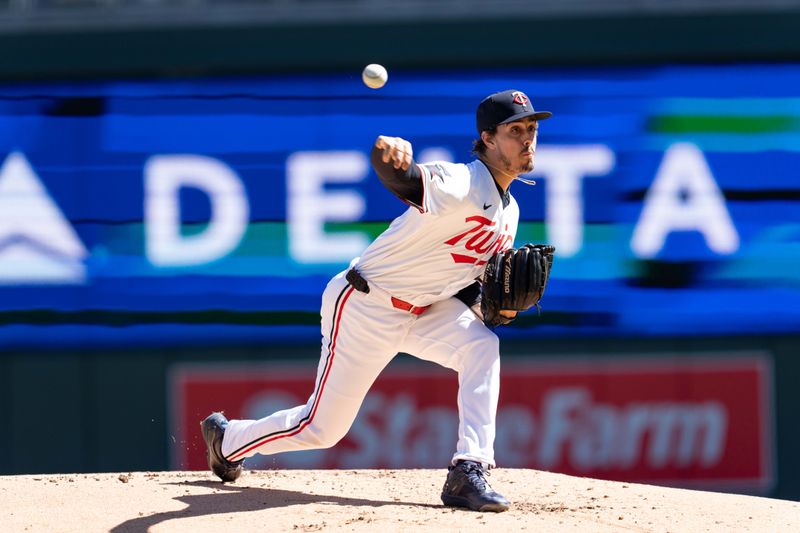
(519, 98)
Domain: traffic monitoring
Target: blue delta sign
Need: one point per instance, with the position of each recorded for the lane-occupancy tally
(213, 211)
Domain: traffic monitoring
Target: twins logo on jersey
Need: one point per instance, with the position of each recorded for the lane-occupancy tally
(481, 239)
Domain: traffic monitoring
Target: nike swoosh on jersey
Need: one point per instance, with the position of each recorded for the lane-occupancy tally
(486, 206)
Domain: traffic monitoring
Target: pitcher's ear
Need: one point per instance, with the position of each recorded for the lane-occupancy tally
(487, 138)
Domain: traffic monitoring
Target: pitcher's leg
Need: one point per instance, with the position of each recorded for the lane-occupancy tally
(318, 424)
(478, 393)
(358, 342)
(451, 335)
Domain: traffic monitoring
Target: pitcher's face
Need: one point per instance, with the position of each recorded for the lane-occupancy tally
(516, 145)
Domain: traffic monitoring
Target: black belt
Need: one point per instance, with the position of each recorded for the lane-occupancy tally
(357, 281)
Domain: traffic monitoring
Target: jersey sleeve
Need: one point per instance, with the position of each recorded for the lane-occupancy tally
(446, 186)
(405, 184)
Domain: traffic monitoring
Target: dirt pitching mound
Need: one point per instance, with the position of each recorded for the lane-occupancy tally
(368, 500)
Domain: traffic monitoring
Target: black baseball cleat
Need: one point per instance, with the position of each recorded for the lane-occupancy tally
(466, 486)
(213, 428)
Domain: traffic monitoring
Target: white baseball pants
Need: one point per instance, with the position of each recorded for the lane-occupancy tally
(361, 333)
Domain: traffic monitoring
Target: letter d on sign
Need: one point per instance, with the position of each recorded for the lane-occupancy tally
(164, 176)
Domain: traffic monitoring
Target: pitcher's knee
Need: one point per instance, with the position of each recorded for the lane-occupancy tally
(480, 352)
(486, 345)
(492, 343)
(322, 436)
(487, 359)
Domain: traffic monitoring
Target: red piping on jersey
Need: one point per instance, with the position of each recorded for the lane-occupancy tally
(319, 393)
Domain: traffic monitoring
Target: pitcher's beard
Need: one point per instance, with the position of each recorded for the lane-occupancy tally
(524, 168)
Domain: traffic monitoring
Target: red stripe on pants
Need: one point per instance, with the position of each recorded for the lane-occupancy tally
(319, 393)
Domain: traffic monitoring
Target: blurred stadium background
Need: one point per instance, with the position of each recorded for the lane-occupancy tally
(179, 179)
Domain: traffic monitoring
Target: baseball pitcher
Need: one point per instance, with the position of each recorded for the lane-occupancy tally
(434, 285)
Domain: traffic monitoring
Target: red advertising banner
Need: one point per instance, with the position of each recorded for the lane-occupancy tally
(701, 420)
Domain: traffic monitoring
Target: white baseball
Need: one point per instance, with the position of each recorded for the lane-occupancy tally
(374, 76)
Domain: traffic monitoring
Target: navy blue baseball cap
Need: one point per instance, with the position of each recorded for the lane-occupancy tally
(504, 107)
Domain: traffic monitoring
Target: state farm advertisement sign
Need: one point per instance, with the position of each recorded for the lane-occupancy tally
(687, 420)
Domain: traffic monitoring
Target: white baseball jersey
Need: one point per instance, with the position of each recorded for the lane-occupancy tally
(427, 254)
(431, 252)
